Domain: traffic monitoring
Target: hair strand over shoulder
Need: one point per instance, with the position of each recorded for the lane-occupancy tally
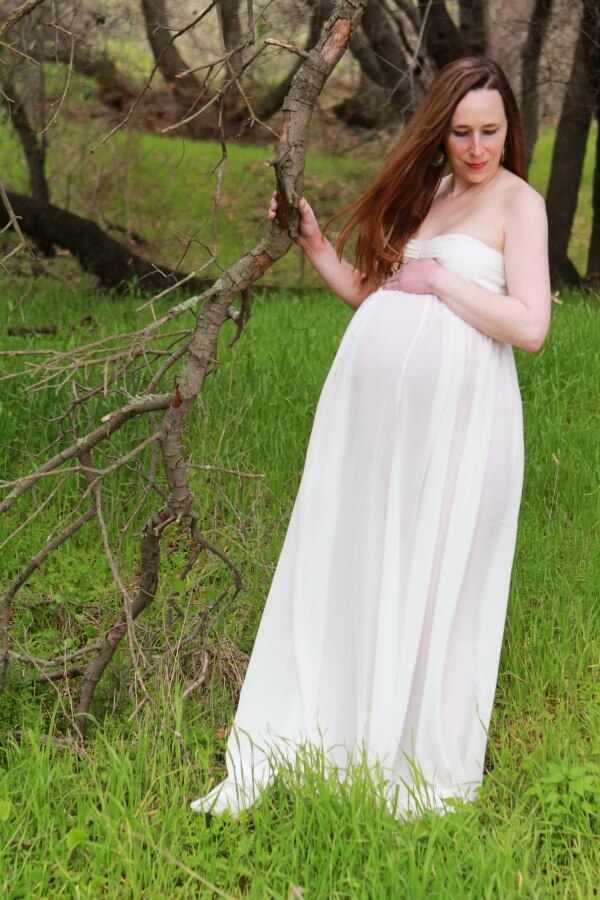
(393, 208)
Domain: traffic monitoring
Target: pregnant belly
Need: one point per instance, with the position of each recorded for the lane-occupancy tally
(396, 336)
(405, 350)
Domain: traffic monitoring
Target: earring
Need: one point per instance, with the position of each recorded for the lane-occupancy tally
(503, 154)
(438, 160)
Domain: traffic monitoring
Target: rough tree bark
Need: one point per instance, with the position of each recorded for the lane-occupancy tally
(442, 38)
(17, 14)
(591, 27)
(567, 164)
(530, 60)
(228, 12)
(34, 147)
(474, 26)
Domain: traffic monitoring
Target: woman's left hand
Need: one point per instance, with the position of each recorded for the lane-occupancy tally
(414, 276)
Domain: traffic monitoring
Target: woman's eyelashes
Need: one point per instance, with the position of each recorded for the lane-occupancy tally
(488, 133)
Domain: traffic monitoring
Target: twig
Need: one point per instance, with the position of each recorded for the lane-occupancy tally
(38, 509)
(75, 672)
(206, 468)
(150, 560)
(201, 677)
(58, 660)
(111, 423)
(67, 80)
(17, 14)
(216, 96)
(178, 284)
(134, 646)
(23, 244)
(129, 357)
(292, 49)
(58, 742)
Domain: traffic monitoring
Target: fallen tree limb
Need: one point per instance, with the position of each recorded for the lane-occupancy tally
(112, 264)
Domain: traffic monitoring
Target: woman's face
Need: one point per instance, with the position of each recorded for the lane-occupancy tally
(476, 137)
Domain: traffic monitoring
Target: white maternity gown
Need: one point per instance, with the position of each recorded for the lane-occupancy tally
(382, 630)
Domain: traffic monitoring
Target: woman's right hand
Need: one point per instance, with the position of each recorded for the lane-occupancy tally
(309, 233)
(343, 279)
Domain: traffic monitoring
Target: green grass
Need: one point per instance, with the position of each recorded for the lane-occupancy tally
(116, 823)
(164, 189)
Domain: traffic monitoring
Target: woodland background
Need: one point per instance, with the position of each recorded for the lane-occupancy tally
(162, 355)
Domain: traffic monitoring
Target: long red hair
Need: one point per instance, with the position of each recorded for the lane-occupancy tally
(396, 204)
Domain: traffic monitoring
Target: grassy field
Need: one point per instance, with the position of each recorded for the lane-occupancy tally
(116, 822)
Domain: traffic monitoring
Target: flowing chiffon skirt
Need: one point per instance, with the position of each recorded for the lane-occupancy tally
(382, 631)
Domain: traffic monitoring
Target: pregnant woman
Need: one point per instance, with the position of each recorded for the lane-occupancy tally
(382, 631)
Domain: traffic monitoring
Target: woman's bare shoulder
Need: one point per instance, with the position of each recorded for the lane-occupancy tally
(518, 193)
(524, 218)
(522, 204)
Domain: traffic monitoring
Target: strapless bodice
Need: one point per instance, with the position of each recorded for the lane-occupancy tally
(465, 255)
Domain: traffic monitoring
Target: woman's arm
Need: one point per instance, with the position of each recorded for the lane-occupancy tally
(522, 317)
(343, 279)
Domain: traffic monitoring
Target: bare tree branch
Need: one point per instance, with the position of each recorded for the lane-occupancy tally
(19, 13)
(109, 261)
(112, 423)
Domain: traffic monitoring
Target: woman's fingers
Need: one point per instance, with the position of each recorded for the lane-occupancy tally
(307, 216)
(272, 211)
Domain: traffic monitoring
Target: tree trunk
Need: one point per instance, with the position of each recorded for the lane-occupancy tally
(34, 149)
(593, 261)
(367, 105)
(384, 92)
(113, 88)
(591, 27)
(114, 265)
(530, 60)
(228, 13)
(272, 101)
(567, 164)
(393, 64)
(187, 92)
(170, 63)
(442, 38)
(474, 26)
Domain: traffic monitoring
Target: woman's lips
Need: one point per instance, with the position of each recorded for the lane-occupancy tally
(477, 165)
